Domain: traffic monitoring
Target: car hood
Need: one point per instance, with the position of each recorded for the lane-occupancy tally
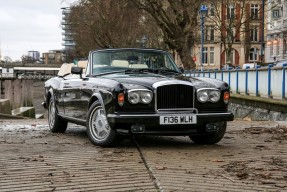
(153, 81)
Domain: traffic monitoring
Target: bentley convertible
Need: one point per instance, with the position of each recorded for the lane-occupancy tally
(136, 91)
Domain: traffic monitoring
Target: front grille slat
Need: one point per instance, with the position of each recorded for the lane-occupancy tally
(174, 96)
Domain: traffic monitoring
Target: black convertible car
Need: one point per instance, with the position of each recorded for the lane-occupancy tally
(136, 91)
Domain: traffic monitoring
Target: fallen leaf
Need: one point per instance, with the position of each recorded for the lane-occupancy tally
(218, 160)
(160, 168)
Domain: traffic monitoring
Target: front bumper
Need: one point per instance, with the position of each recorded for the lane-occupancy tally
(151, 123)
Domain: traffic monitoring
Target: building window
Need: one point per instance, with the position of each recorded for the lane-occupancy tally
(230, 11)
(254, 34)
(277, 48)
(275, 14)
(254, 11)
(284, 48)
(212, 10)
(253, 54)
(204, 55)
(271, 50)
(209, 33)
(211, 55)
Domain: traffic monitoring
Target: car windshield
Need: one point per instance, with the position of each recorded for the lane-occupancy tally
(114, 60)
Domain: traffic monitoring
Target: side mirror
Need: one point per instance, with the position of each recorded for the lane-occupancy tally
(181, 69)
(77, 71)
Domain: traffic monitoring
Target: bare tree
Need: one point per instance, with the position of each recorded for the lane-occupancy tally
(234, 23)
(110, 23)
(178, 21)
(7, 59)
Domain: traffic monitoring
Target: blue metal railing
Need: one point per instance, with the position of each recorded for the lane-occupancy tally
(267, 82)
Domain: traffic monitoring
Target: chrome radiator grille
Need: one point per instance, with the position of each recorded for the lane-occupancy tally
(174, 96)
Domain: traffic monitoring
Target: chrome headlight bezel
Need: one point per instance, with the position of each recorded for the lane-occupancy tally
(136, 96)
(214, 96)
(202, 96)
(208, 95)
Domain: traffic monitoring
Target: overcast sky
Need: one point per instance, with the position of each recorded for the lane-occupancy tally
(27, 25)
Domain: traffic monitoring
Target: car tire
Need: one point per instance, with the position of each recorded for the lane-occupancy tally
(209, 139)
(56, 123)
(98, 128)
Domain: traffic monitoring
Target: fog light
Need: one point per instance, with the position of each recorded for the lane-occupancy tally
(138, 128)
(211, 127)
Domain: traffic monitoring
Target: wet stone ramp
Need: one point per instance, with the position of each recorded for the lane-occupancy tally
(251, 157)
(33, 159)
(74, 171)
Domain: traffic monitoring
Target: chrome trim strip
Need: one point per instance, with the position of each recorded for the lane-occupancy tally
(215, 89)
(164, 114)
(80, 121)
(179, 109)
(171, 82)
(132, 90)
(155, 99)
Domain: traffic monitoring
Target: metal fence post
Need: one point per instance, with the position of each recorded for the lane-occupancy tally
(229, 75)
(283, 80)
(269, 80)
(246, 80)
(237, 74)
(257, 81)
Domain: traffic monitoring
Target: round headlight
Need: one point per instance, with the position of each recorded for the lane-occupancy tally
(134, 97)
(202, 96)
(214, 96)
(146, 97)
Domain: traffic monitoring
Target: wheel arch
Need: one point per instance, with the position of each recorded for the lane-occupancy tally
(102, 98)
(49, 94)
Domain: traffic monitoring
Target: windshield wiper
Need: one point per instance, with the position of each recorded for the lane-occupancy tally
(141, 71)
(108, 73)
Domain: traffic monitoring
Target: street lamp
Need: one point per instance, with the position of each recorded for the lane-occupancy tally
(203, 12)
(262, 34)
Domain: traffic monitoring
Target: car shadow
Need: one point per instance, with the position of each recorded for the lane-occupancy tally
(175, 142)
(148, 141)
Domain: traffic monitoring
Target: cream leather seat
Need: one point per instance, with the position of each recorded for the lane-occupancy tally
(120, 63)
(83, 65)
(137, 66)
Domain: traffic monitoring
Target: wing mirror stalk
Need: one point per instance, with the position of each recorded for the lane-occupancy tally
(77, 71)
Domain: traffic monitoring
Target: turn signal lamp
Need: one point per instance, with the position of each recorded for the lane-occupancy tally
(121, 99)
(226, 97)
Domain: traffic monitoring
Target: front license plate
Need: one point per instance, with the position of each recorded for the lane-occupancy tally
(179, 119)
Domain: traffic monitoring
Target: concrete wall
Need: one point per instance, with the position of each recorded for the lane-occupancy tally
(258, 109)
(19, 92)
